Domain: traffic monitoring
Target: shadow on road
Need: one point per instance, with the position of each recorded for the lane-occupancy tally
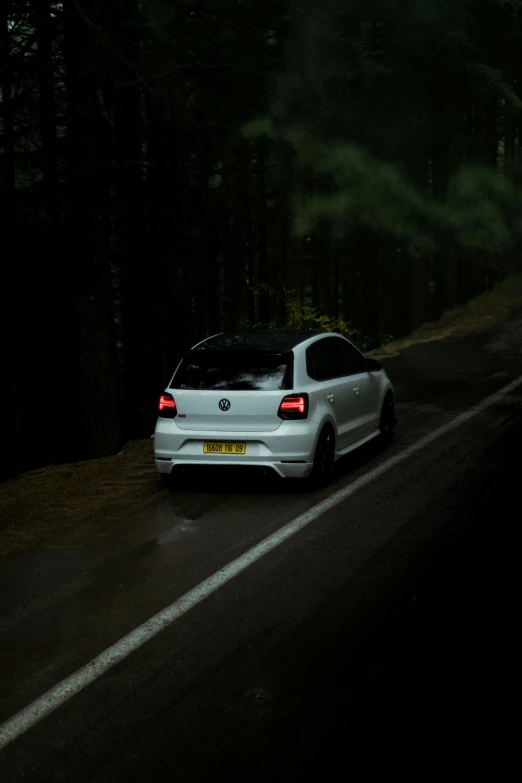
(249, 480)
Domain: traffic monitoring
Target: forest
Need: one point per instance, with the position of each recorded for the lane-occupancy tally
(175, 168)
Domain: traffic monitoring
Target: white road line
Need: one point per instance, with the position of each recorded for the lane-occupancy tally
(72, 685)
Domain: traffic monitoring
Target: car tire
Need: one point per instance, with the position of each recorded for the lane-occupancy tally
(324, 459)
(388, 419)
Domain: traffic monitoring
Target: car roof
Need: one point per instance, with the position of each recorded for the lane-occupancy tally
(273, 340)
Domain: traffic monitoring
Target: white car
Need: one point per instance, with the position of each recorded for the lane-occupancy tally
(292, 402)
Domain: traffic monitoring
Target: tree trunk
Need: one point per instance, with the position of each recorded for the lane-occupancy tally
(263, 272)
(88, 176)
(369, 315)
(48, 276)
(212, 245)
(282, 266)
(130, 220)
(509, 145)
(419, 291)
(350, 280)
(514, 61)
(44, 23)
(251, 298)
(163, 248)
(335, 282)
(313, 250)
(10, 457)
(207, 284)
(235, 261)
(491, 135)
(322, 256)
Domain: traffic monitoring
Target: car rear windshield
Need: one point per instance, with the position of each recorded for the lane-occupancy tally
(228, 372)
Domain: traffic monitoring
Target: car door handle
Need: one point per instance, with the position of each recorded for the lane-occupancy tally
(330, 397)
(355, 390)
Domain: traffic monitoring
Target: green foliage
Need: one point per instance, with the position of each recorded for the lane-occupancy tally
(301, 316)
(329, 108)
(492, 79)
(482, 211)
(384, 339)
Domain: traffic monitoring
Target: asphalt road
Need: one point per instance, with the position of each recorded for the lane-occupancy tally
(383, 632)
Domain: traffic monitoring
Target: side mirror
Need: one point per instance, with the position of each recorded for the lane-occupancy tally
(372, 365)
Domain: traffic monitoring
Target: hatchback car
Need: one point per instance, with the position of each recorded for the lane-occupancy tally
(290, 402)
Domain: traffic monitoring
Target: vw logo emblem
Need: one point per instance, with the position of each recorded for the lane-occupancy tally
(224, 405)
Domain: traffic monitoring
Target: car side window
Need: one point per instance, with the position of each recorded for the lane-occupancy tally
(320, 360)
(331, 358)
(348, 359)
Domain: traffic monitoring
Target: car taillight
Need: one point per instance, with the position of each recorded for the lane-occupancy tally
(167, 406)
(294, 406)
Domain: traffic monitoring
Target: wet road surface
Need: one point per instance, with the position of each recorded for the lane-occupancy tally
(391, 618)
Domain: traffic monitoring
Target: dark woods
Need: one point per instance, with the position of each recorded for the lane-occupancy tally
(171, 169)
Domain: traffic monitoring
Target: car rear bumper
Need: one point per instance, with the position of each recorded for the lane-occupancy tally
(288, 451)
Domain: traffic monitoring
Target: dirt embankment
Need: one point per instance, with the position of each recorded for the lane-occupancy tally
(496, 312)
(481, 340)
(39, 504)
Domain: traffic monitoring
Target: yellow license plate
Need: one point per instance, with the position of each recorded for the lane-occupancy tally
(219, 447)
